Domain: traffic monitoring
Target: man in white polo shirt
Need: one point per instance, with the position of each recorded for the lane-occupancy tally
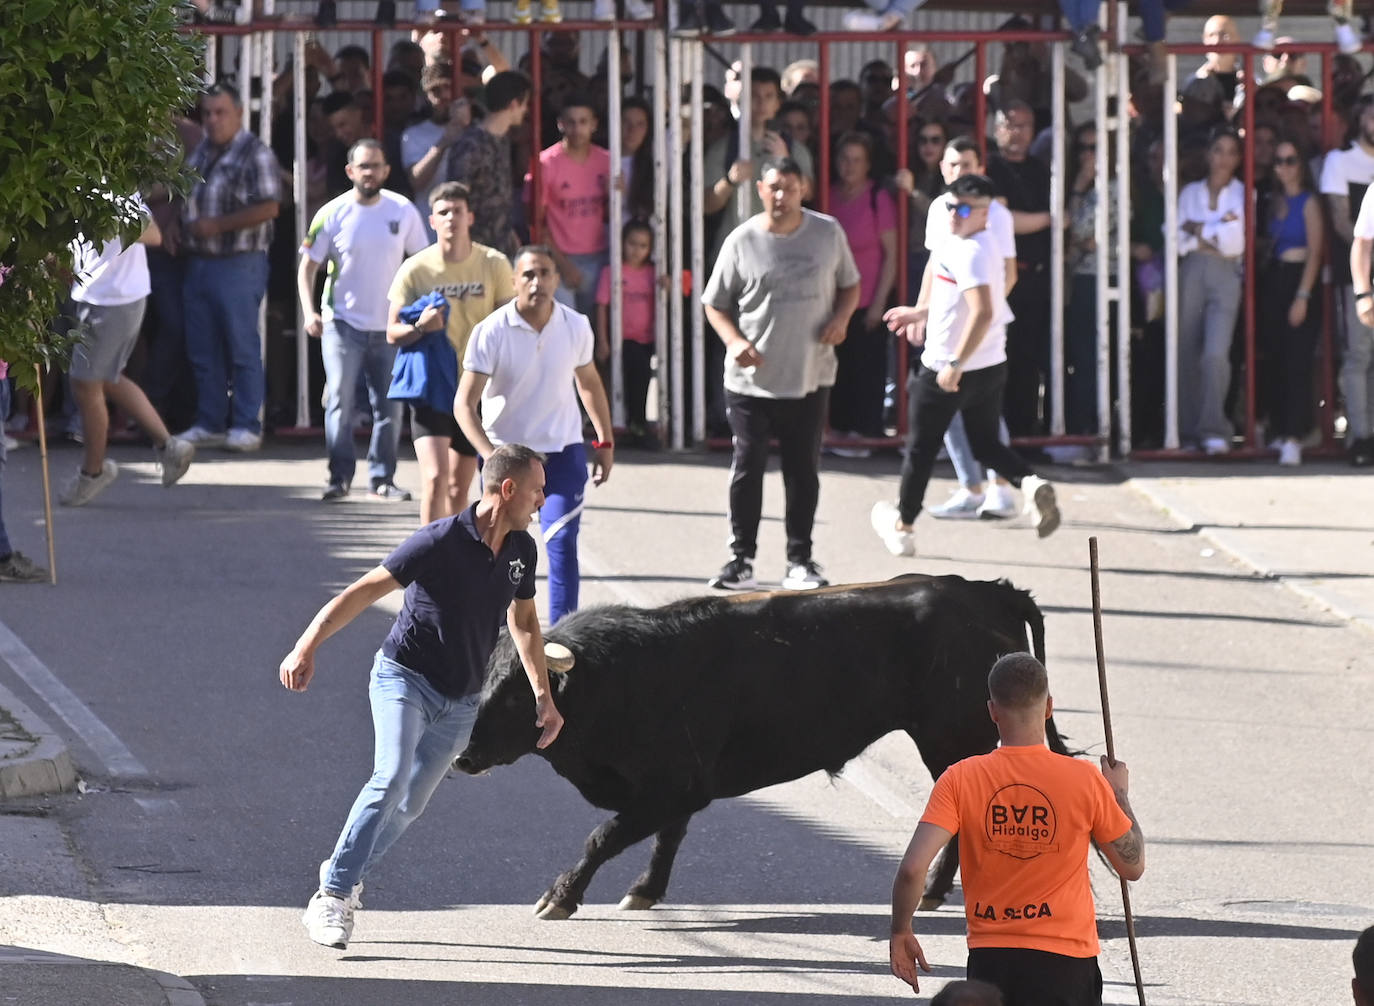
(962, 369)
(525, 366)
(364, 234)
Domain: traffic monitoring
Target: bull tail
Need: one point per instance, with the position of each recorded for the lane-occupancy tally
(1035, 621)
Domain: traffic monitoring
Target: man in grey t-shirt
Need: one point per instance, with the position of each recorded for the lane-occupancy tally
(780, 298)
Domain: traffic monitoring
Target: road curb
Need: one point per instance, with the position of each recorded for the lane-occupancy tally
(46, 767)
(1313, 589)
(178, 990)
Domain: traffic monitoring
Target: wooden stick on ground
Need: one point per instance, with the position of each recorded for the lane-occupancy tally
(47, 482)
(1111, 749)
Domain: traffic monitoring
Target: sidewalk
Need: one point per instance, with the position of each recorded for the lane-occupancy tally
(35, 978)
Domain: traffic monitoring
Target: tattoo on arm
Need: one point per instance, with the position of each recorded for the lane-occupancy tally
(1130, 846)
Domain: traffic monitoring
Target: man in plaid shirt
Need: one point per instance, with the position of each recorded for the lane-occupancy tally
(226, 230)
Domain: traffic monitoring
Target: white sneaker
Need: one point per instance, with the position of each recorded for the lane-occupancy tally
(999, 503)
(804, 576)
(884, 517)
(1264, 39)
(355, 900)
(242, 441)
(1290, 453)
(1040, 504)
(603, 10)
(174, 457)
(83, 488)
(1216, 445)
(962, 505)
(1348, 39)
(867, 20)
(199, 436)
(329, 920)
(638, 10)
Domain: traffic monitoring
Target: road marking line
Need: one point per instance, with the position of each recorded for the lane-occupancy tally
(109, 750)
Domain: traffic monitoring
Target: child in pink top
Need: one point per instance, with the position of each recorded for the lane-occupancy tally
(637, 346)
(572, 204)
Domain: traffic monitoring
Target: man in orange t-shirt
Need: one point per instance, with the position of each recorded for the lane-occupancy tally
(1024, 816)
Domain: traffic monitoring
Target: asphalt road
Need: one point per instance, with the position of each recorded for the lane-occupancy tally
(1241, 709)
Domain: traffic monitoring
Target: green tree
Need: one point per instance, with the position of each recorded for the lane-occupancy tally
(88, 91)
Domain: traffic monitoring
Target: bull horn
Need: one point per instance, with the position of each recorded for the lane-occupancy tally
(559, 658)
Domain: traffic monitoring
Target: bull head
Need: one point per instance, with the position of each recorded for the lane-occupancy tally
(504, 729)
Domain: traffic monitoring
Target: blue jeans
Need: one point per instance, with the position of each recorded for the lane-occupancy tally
(1152, 15)
(5, 548)
(348, 352)
(583, 297)
(419, 731)
(1079, 13)
(560, 518)
(222, 297)
(966, 466)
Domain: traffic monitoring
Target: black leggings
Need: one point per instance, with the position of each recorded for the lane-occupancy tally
(1284, 367)
(930, 410)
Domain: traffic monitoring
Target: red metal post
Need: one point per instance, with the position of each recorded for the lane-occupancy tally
(536, 114)
(980, 99)
(823, 146)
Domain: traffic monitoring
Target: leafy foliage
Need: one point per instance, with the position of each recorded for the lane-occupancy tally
(88, 89)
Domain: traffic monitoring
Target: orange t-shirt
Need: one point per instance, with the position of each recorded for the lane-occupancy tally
(1024, 816)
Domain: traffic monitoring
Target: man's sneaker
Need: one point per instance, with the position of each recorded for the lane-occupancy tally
(869, 21)
(767, 20)
(329, 920)
(19, 568)
(603, 10)
(1040, 504)
(355, 899)
(962, 505)
(999, 503)
(550, 12)
(242, 441)
(521, 13)
(1290, 453)
(1086, 48)
(804, 576)
(737, 574)
(83, 488)
(174, 458)
(793, 23)
(717, 21)
(688, 18)
(199, 436)
(884, 517)
(1216, 445)
(638, 10)
(390, 492)
(336, 492)
(1264, 39)
(1348, 39)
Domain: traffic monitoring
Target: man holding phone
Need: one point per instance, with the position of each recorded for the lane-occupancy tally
(425, 144)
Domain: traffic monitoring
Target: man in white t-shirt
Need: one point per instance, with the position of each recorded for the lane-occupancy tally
(975, 497)
(109, 295)
(522, 365)
(364, 234)
(962, 369)
(1347, 176)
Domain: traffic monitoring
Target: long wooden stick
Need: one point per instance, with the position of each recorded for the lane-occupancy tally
(1111, 749)
(47, 482)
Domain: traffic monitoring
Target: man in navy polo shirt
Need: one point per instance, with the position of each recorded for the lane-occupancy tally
(460, 574)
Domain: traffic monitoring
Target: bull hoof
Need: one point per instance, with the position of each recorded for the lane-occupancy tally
(636, 903)
(929, 904)
(552, 913)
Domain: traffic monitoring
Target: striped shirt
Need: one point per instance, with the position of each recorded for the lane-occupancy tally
(233, 178)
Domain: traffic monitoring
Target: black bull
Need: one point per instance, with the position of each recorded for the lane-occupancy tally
(670, 708)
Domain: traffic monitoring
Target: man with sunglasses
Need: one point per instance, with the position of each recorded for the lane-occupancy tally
(962, 369)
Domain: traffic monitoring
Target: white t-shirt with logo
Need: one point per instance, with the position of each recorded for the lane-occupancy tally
(957, 265)
(530, 397)
(939, 224)
(364, 246)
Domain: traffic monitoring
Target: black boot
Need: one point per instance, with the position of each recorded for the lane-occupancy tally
(689, 16)
(768, 19)
(386, 13)
(327, 14)
(717, 21)
(795, 23)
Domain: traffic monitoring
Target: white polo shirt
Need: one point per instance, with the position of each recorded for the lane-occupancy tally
(530, 397)
(961, 264)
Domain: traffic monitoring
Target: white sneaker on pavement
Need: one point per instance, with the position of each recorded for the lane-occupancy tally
(1348, 39)
(884, 517)
(174, 458)
(804, 576)
(242, 441)
(1041, 504)
(199, 436)
(329, 920)
(83, 488)
(962, 505)
(999, 503)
